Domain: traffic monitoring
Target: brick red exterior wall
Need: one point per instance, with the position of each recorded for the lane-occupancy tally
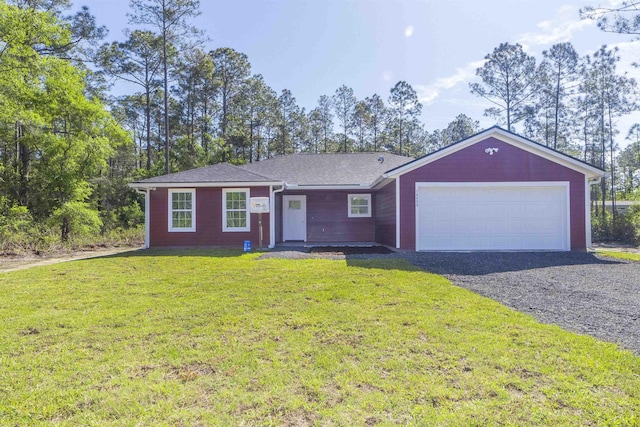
(208, 221)
(385, 215)
(510, 163)
(328, 220)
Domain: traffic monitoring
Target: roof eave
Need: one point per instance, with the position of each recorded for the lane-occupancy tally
(363, 186)
(142, 185)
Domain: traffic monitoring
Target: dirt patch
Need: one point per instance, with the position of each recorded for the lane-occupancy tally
(616, 247)
(22, 262)
(327, 252)
(350, 250)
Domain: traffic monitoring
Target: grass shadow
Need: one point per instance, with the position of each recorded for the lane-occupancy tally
(443, 263)
(382, 263)
(176, 252)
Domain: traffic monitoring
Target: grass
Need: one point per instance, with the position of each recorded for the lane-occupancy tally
(630, 256)
(225, 339)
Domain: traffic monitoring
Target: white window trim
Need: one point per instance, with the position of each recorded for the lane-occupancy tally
(171, 191)
(224, 210)
(352, 215)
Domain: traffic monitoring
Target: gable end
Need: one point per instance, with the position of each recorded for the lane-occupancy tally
(504, 136)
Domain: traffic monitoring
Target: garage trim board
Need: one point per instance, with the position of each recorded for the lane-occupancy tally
(469, 216)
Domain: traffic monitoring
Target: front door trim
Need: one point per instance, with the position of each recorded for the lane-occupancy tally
(292, 228)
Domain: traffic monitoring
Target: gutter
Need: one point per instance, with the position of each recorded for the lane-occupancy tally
(154, 185)
(272, 215)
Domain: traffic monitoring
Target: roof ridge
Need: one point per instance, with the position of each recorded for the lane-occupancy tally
(243, 168)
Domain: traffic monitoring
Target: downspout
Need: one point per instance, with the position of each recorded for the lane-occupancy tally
(147, 214)
(398, 213)
(587, 209)
(272, 215)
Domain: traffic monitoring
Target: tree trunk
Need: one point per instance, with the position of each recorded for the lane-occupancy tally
(147, 112)
(613, 179)
(223, 124)
(603, 185)
(166, 91)
(400, 131)
(557, 107)
(205, 129)
(65, 229)
(23, 165)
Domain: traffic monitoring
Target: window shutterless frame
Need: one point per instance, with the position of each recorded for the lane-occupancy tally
(359, 205)
(182, 209)
(235, 210)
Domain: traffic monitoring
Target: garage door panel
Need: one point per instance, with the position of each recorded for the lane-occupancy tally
(502, 217)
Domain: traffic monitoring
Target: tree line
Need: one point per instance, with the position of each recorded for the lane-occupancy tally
(567, 102)
(69, 147)
(222, 112)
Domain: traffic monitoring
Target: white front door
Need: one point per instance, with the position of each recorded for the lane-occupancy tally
(294, 218)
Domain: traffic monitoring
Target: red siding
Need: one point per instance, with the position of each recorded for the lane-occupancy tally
(385, 215)
(208, 221)
(328, 220)
(510, 163)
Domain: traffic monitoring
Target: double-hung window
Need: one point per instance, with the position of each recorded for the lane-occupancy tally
(359, 205)
(182, 209)
(235, 209)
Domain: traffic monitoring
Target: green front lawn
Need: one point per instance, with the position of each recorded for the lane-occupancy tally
(221, 338)
(630, 256)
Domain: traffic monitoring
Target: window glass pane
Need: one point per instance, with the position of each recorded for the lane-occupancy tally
(236, 209)
(359, 210)
(236, 200)
(359, 205)
(294, 204)
(181, 201)
(181, 219)
(236, 219)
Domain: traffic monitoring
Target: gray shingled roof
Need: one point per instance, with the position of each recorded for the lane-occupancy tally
(221, 172)
(327, 169)
(300, 169)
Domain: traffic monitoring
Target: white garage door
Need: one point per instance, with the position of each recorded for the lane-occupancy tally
(492, 216)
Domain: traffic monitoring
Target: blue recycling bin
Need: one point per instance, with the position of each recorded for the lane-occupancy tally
(247, 245)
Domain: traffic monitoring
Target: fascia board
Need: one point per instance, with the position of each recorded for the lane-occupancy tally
(295, 187)
(201, 184)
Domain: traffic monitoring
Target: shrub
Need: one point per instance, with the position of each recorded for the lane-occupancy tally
(623, 228)
(15, 224)
(76, 219)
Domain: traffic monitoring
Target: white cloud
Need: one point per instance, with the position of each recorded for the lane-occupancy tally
(561, 28)
(387, 76)
(408, 32)
(564, 26)
(427, 94)
(557, 30)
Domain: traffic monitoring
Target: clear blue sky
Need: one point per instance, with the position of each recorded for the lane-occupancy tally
(312, 47)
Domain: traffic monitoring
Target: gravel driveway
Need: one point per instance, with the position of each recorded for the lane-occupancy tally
(581, 292)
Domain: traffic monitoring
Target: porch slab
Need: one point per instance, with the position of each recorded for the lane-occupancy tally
(308, 245)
